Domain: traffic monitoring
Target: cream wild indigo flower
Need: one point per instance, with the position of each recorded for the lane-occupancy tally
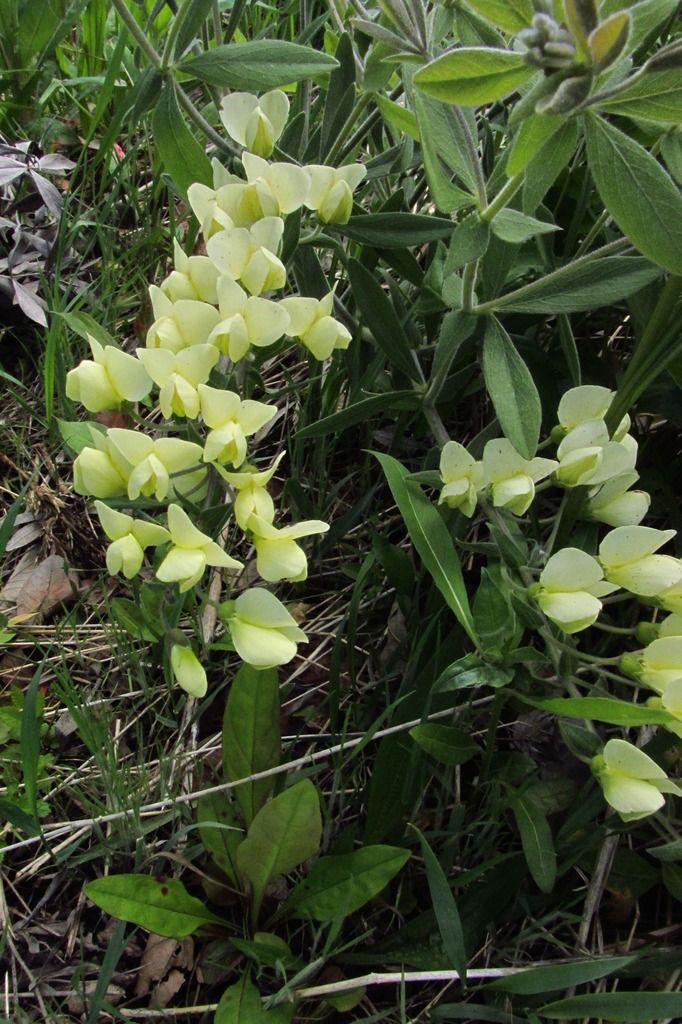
(627, 557)
(587, 402)
(190, 553)
(249, 255)
(96, 473)
(194, 277)
(632, 783)
(178, 325)
(246, 320)
(587, 456)
(331, 191)
(287, 183)
(658, 665)
(314, 326)
(670, 598)
(149, 463)
(278, 556)
(263, 632)
(106, 380)
(255, 123)
(510, 478)
(462, 478)
(252, 493)
(212, 216)
(129, 538)
(188, 670)
(231, 421)
(615, 504)
(178, 375)
(569, 589)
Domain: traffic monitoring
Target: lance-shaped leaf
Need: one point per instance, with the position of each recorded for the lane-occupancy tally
(251, 735)
(474, 75)
(160, 905)
(511, 389)
(259, 64)
(339, 885)
(180, 153)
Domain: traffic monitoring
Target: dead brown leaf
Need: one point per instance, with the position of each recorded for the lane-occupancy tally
(36, 588)
(160, 956)
(165, 991)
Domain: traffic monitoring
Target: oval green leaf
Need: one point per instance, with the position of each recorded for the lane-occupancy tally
(473, 75)
(511, 389)
(446, 743)
(339, 885)
(642, 199)
(259, 64)
(160, 905)
(251, 735)
(181, 154)
(537, 842)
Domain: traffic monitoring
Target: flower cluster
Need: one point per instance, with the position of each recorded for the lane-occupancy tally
(572, 582)
(211, 312)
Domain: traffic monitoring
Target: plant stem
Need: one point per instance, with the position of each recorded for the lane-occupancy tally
(209, 131)
(358, 107)
(136, 32)
(527, 289)
(502, 197)
(433, 419)
(468, 285)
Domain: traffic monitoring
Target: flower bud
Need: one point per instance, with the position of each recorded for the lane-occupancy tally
(188, 670)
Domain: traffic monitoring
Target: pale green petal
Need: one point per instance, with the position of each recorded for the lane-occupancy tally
(159, 363)
(260, 646)
(215, 555)
(266, 321)
(516, 493)
(235, 112)
(90, 385)
(501, 460)
(570, 569)
(177, 454)
(268, 234)
(631, 796)
(231, 298)
(302, 312)
(275, 106)
(307, 528)
(672, 698)
(324, 336)
(230, 251)
(132, 444)
(627, 544)
(181, 564)
(623, 758)
(570, 611)
(188, 670)
(125, 556)
(649, 576)
(218, 407)
(455, 462)
(127, 374)
(149, 534)
(114, 523)
(263, 273)
(254, 415)
(95, 474)
(254, 166)
(261, 608)
(279, 560)
(253, 501)
(289, 184)
(196, 320)
(195, 363)
(671, 626)
(161, 304)
(322, 179)
(201, 198)
(352, 174)
(587, 402)
(183, 531)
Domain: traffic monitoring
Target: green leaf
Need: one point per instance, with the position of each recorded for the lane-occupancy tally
(548, 163)
(672, 880)
(556, 976)
(77, 434)
(400, 118)
(668, 851)
(509, 15)
(512, 390)
(241, 1004)
(604, 709)
(617, 1006)
(430, 537)
(642, 199)
(188, 24)
(474, 75)
(360, 412)
(83, 324)
(180, 153)
(17, 817)
(446, 153)
(251, 735)
(445, 909)
(339, 885)
(472, 671)
(160, 905)
(537, 842)
(259, 64)
(656, 96)
(219, 833)
(446, 743)
(469, 242)
(608, 40)
(284, 833)
(396, 230)
(30, 741)
(516, 227)
(382, 320)
(597, 283)
(533, 134)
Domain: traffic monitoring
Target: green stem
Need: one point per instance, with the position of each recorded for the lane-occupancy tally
(209, 131)
(502, 198)
(601, 222)
(358, 107)
(468, 285)
(136, 32)
(433, 419)
(528, 289)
